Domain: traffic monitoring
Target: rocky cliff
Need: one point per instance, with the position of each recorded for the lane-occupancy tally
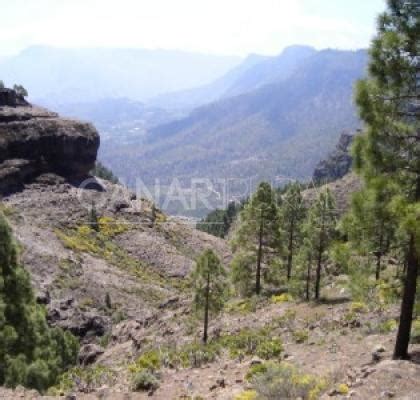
(337, 164)
(34, 141)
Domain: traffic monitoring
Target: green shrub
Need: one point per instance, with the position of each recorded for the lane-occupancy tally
(195, 355)
(358, 307)
(300, 336)
(283, 381)
(255, 370)
(94, 376)
(343, 389)
(253, 342)
(246, 395)
(387, 326)
(145, 381)
(269, 349)
(243, 306)
(150, 361)
(282, 298)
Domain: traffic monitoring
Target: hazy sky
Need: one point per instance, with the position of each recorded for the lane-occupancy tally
(208, 26)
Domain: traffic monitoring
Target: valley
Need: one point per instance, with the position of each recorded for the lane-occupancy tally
(179, 224)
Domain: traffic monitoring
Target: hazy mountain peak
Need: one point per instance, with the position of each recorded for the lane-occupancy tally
(89, 74)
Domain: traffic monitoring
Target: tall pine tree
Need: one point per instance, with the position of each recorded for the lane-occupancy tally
(319, 231)
(209, 278)
(370, 225)
(388, 102)
(31, 353)
(292, 213)
(259, 229)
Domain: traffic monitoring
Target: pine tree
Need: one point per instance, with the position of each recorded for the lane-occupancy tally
(20, 90)
(93, 218)
(242, 273)
(209, 279)
(370, 224)
(31, 353)
(153, 217)
(292, 215)
(388, 102)
(319, 231)
(259, 230)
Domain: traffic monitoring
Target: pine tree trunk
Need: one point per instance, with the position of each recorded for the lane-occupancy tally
(409, 296)
(308, 279)
(407, 305)
(379, 254)
(318, 273)
(259, 258)
(290, 251)
(206, 311)
(319, 259)
(378, 266)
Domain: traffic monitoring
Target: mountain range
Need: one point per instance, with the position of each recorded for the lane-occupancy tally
(186, 116)
(275, 119)
(59, 76)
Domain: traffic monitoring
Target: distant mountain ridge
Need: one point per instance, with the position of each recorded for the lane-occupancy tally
(90, 74)
(277, 130)
(254, 72)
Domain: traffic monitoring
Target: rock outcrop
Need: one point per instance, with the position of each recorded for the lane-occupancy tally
(34, 141)
(337, 164)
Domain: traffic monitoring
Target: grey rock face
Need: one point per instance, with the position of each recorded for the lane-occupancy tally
(337, 164)
(34, 141)
(89, 353)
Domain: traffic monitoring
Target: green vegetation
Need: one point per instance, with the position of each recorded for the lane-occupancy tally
(292, 215)
(258, 342)
(210, 286)
(246, 342)
(104, 173)
(84, 239)
(87, 377)
(273, 381)
(93, 218)
(370, 226)
(389, 151)
(20, 90)
(300, 336)
(145, 381)
(31, 353)
(243, 273)
(259, 231)
(319, 230)
(219, 222)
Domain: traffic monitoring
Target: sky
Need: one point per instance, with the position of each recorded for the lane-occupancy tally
(229, 27)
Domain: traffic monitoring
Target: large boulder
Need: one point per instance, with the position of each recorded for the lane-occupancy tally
(89, 353)
(34, 141)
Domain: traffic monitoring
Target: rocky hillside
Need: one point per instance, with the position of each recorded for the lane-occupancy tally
(132, 269)
(121, 285)
(337, 164)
